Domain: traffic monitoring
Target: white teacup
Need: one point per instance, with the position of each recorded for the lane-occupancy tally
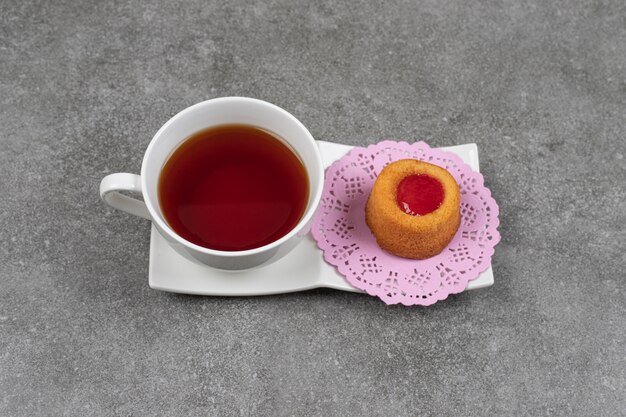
(219, 111)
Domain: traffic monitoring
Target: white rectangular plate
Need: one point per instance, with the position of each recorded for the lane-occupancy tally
(302, 269)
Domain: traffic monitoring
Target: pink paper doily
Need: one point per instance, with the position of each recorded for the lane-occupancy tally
(341, 233)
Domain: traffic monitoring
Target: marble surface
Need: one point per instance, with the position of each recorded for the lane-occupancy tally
(539, 86)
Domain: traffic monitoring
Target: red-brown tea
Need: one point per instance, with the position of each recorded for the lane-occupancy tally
(232, 188)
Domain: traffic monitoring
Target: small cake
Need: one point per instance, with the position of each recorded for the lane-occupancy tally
(414, 209)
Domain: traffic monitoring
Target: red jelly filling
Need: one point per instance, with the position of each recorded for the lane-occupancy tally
(420, 194)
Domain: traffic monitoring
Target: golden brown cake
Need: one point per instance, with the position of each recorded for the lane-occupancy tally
(414, 209)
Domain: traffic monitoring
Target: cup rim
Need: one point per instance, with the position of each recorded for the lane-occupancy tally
(306, 217)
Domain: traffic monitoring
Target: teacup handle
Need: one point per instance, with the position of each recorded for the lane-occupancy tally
(110, 188)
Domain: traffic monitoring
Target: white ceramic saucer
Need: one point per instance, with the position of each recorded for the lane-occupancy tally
(302, 269)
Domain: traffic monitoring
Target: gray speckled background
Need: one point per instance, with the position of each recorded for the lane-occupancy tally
(539, 86)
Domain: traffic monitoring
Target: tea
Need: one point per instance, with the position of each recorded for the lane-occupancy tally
(232, 188)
